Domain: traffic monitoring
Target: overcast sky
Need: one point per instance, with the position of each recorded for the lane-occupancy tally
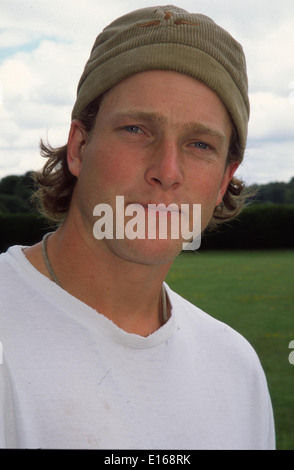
(44, 45)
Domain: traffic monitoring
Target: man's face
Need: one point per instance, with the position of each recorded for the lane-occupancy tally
(159, 137)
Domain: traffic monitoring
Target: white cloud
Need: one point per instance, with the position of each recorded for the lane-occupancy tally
(64, 19)
(272, 117)
(19, 160)
(11, 38)
(270, 59)
(262, 159)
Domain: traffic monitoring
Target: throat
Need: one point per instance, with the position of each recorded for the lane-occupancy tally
(163, 313)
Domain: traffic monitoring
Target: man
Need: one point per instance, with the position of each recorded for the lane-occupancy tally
(98, 352)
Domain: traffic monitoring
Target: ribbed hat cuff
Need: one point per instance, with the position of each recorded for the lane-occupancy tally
(175, 57)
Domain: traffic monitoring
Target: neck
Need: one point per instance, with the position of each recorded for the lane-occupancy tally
(128, 293)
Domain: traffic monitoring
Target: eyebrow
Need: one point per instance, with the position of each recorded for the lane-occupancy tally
(193, 127)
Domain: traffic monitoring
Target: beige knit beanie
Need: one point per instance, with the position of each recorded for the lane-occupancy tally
(168, 38)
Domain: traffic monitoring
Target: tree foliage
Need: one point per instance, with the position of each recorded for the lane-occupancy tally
(275, 192)
(16, 194)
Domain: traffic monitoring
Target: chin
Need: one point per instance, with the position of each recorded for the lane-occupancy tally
(147, 252)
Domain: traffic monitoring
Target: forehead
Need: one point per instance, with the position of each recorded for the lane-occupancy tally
(167, 97)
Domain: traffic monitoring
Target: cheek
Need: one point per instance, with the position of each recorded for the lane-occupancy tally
(115, 172)
(107, 170)
(206, 191)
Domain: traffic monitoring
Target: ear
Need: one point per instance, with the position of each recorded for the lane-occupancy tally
(77, 140)
(228, 175)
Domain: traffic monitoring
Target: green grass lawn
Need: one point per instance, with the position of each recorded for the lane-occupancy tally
(254, 293)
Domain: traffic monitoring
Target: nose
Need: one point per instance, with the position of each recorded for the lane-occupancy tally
(164, 168)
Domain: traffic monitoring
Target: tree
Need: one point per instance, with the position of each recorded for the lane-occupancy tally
(8, 184)
(16, 192)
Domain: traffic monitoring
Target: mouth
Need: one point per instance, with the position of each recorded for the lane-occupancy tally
(160, 207)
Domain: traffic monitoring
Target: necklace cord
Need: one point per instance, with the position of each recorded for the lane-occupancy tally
(46, 259)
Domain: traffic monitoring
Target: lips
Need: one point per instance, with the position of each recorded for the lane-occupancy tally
(160, 207)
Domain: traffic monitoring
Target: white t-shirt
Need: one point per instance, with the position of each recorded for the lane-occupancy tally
(71, 379)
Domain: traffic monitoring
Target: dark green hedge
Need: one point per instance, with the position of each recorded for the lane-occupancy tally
(268, 226)
(21, 229)
(265, 226)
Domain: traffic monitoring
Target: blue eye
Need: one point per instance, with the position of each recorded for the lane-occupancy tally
(201, 145)
(133, 129)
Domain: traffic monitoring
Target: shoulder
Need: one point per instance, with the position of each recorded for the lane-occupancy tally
(226, 365)
(12, 287)
(7, 267)
(16, 274)
(10, 262)
(221, 354)
(213, 338)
